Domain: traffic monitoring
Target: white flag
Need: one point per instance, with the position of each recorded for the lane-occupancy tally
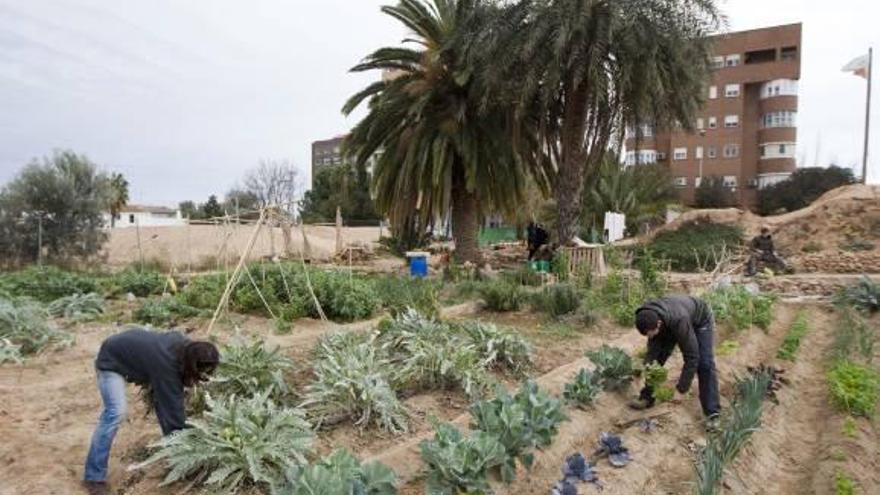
(858, 66)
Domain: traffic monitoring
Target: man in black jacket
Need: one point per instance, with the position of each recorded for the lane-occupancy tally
(688, 323)
(165, 362)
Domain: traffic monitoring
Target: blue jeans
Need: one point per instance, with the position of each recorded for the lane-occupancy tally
(112, 388)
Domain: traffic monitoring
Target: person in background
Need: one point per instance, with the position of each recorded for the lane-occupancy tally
(764, 252)
(164, 362)
(537, 237)
(686, 322)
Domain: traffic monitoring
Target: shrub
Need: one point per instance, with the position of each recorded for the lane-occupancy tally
(523, 276)
(803, 187)
(583, 390)
(655, 378)
(557, 300)
(695, 245)
(355, 378)
(614, 367)
(792, 341)
(24, 329)
(502, 296)
(163, 312)
(340, 474)
(740, 308)
(864, 295)
(650, 271)
(344, 299)
(238, 442)
(399, 293)
(204, 291)
(854, 388)
(249, 370)
(523, 422)
(620, 296)
(46, 284)
(78, 307)
(499, 347)
(459, 464)
(139, 283)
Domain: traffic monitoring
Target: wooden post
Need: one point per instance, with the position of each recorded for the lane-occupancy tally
(338, 230)
(40, 240)
(137, 227)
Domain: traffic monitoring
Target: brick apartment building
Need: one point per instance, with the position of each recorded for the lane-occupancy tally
(326, 153)
(746, 131)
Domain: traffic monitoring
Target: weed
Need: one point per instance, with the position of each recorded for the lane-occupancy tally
(560, 265)
(727, 348)
(523, 422)
(502, 296)
(792, 340)
(523, 276)
(557, 300)
(460, 464)
(583, 389)
(854, 388)
(164, 312)
(740, 308)
(614, 367)
(843, 484)
(853, 334)
(864, 295)
(651, 271)
(849, 427)
(397, 294)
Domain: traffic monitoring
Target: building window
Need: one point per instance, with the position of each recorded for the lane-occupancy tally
(661, 156)
(698, 181)
(730, 181)
(731, 121)
(698, 152)
(782, 118)
(713, 92)
(680, 154)
(717, 62)
(731, 150)
(731, 90)
(777, 150)
(680, 181)
(713, 123)
(711, 152)
(732, 60)
(131, 219)
(779, 87)
(700, 123)
(788, 53)
(630, 159)
(761, 56)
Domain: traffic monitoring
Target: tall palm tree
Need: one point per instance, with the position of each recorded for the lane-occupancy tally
(445, 146)
(118, 195)
(588, 68)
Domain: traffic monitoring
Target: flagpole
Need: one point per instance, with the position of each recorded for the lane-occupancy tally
(867, 120)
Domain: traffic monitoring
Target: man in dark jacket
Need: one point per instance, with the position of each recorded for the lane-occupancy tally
(686, 322)
(764, 253)
(165, 362)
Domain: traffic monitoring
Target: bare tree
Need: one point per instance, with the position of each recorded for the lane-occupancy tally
(274, 182)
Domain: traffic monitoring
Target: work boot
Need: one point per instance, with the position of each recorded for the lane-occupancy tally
(640, 404)
(97, 487)
(713, 423)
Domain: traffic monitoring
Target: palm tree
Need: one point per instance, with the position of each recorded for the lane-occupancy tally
(640, 192)
(118, 195)
(588, 68)
(445, 146)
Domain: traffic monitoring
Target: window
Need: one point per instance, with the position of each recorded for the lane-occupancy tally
(680, 154)
(761, 56)
(700, 123)
(661, 156)
(711, 152)
(782, 118)
(731, 90)
(698, 152)
(713, 92)
(779, 87)
(717, 62)
(731, 121)
(788, 53)
(730, 181)
(713, 123)
(732, 60)
(680, 181)
(630, 159)
(777, 150)
(731, 150)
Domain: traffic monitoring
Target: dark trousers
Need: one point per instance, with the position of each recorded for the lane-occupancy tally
(707, 374)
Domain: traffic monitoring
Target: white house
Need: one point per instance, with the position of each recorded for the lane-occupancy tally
(146, 216)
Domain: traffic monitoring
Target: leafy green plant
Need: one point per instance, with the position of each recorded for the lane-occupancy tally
(78, 307)
(341, 473)
(728, 347)
(399, 293)
(502, 296)
(740, 308)
(139, 283)
(24, 328)
(238, 442)
(614, 367)
(743, 419)
(204, 291)
(650, 271)
(583, 389)
(560, 265)
(655, 378)
(792, 341)
(849, 428)
(854, 388)
(46, 284)
(344, 298)
(499, 347)
(522, 423)
(557, 300)
(523, 276)
(696, 245)
(10, 353)
(843, 484)
(246, 370)
(355, 378)
(620, 296)
(864, 295)
(163, 312)
(460, 464)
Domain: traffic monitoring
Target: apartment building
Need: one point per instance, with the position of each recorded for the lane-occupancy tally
(746, 132)
(327, 153)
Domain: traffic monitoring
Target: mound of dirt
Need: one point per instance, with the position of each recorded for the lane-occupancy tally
(835, 234)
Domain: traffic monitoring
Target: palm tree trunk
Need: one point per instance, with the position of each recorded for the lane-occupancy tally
(465, 225)
(570, 178)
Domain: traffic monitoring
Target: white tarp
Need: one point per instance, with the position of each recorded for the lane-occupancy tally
(615, 223)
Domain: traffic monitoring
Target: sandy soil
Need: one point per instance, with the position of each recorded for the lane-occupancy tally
(210, 247)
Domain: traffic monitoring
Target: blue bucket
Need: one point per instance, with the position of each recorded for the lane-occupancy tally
(418, 264)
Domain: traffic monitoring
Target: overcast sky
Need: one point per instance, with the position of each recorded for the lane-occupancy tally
(183, 96)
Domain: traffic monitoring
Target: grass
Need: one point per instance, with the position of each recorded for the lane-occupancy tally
(854, 388)
(789, 347)
(849, 428)
(853, 335)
